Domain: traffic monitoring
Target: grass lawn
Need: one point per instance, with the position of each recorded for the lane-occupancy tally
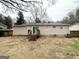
(43, 48)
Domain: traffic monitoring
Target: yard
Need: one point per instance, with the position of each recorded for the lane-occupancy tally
(43, 48)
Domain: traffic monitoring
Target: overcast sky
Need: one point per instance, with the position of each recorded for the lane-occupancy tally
(59, 10)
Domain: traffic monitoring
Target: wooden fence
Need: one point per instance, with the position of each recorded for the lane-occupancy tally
(6, 33)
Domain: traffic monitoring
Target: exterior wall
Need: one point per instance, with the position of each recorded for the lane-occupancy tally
(44, 30)
(21, 30)
(50, 30)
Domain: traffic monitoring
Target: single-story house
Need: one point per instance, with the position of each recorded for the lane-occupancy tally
(74, 30)
(44, 28)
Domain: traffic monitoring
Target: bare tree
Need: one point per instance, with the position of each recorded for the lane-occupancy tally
(19, 4)
(38, 11)
(71, 18)
(35, 7)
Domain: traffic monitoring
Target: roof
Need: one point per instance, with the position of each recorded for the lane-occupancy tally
(42, 24)
(74, 27)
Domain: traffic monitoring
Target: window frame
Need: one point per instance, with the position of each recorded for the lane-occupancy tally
(61, 27)
(54, 26)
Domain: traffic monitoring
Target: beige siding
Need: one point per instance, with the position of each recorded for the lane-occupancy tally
(44, 30)
(20, 30)
(49, 30)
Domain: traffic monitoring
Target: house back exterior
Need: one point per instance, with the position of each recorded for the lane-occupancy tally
(44, 28)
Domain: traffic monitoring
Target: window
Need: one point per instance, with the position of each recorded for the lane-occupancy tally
(61, 27)
(54, 26)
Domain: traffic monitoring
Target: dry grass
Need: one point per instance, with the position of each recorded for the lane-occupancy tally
(43, 48)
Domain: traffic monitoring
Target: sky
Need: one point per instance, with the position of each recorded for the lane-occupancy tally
(57, 11)
(61, 9)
